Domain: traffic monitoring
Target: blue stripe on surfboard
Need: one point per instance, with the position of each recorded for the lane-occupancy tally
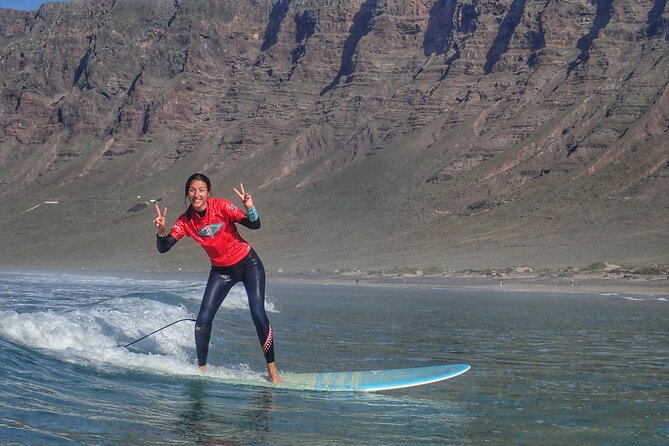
(410, 383)
(376, 380)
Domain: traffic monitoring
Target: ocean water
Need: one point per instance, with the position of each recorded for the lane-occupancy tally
(547, 369)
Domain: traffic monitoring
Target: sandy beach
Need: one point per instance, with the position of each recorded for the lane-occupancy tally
(579, 283)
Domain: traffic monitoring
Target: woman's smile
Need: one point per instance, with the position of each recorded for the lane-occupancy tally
(198, 194)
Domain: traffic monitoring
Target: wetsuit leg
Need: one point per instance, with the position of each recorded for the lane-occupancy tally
(254, 283)
(218, 286)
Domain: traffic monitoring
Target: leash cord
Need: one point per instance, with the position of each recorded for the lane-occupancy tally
(156, 331)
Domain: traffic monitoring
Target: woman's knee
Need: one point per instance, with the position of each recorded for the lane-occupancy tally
(259, 317)
(204, 318)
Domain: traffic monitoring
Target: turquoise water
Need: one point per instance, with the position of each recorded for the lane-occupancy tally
(546, 368)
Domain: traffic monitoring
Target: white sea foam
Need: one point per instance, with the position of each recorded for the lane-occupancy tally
(92, 337)
(84, 320)
(645, 299)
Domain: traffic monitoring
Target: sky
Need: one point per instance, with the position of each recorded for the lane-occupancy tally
(24, 4)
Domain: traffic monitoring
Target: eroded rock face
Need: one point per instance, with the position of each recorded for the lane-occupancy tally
(545, 104)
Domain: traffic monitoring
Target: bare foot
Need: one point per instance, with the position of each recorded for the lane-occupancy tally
(203, 369)
(273, 373)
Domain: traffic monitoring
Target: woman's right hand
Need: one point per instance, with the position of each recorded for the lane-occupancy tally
(160, 221)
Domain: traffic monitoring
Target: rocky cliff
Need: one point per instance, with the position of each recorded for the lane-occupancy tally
(441, 134)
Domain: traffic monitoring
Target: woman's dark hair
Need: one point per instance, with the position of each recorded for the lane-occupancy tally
(195, 177)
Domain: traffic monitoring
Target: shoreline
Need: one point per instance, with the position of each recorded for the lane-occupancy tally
(595, 282)
(578, 284)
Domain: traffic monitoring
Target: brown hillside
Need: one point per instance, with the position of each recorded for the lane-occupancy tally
(374, 134)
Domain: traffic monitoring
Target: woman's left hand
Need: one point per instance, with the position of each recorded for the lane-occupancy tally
(246, 197)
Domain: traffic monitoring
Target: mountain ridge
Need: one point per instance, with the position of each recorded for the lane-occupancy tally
(374, 134)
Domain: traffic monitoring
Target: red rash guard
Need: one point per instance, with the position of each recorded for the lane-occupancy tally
(215, 232)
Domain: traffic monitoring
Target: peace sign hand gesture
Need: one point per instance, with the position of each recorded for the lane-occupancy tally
(246, 197)
(160, 221)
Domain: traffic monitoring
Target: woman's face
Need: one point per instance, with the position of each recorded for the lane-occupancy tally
(198, 194)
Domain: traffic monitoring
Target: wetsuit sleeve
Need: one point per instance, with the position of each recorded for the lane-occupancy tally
(250, 224)
(165, 243)
(252, 219)
(178, 230)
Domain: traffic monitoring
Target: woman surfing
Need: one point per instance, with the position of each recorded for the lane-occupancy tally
(211, 222)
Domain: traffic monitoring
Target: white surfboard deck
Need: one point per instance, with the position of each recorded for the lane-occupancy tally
(362, 381)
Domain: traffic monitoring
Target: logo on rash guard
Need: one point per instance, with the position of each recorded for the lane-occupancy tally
(210, 230)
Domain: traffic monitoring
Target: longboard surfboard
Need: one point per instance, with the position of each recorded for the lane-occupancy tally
(367, 380)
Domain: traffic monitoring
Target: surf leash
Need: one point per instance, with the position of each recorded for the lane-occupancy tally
(156, 331)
